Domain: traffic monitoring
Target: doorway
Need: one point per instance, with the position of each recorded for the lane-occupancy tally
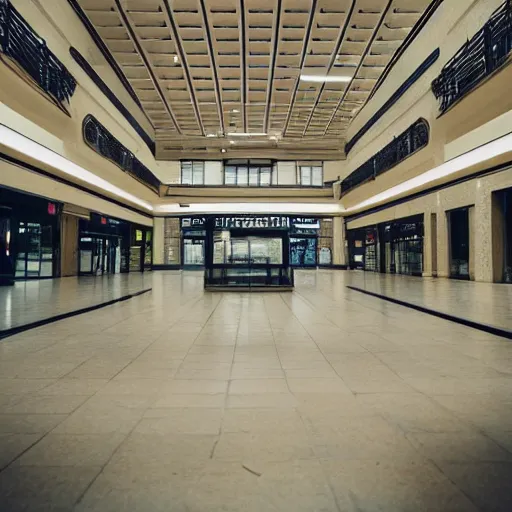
(459, 243)
(100, 255)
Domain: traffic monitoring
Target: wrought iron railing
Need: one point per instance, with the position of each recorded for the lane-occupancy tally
(19, 42)
(413, 139)
(98, 138)
(485, 52)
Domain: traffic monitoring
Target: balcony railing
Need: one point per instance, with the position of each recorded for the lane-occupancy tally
(98, 138)
(484, 53)
(20, 43)
(413, 139)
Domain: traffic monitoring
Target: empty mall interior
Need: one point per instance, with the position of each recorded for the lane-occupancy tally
(255, 255)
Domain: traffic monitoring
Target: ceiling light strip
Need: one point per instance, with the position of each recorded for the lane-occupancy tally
(18, 142)
(147, 62)
(363, 56)
(334, 55)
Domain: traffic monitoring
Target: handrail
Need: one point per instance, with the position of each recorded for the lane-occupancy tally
(483, 54)
(19, 42)
(406, 144)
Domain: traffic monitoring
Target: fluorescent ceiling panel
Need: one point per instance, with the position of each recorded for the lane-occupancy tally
(40, 153)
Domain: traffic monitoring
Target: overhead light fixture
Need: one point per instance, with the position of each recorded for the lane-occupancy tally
(18, 142)
(211, 135)
(176, 59)
(476, 156)
(223, 150)
(258, 208)
(244, 134)
(235, 111)
(231, 141)
(325, 79)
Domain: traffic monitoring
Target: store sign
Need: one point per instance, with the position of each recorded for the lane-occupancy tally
(305, 220)
(252, 222)
(104, 220)
(52, 209)
(195, 222)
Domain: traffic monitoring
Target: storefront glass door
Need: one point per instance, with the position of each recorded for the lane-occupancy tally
(100, 255)
(193, 252)
(34, 257)
(303, 251)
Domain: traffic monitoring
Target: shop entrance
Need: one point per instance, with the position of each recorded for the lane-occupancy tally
(459, 243)
(100, 255)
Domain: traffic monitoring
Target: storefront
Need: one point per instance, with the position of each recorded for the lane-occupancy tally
(393, 247)
(112, 246)
(458, 221)
(308, 240)
(29, 235)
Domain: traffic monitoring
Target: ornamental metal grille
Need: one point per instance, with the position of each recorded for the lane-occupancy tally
(98, 138)
(413, 139)
(19, 42)
(485, 52)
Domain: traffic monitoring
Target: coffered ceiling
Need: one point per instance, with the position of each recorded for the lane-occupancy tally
(206, 69)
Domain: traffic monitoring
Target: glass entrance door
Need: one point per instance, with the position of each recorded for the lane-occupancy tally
(303, 251)
(193, 252)
(99, 255)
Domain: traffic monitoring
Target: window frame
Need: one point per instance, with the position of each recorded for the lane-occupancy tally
(192, 163)
(250, 167)
(312, 168)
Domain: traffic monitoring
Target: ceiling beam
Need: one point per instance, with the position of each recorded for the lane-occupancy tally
(272, 64)
(147, 61)
(243, 62)
(211, 52)
(334, 55)
(363, 56)
(305, 48)
(175, 33)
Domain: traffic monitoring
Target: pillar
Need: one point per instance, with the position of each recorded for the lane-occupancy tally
(482, 233)
(443, 244)
(428, 236)
(338, 234)
(158, 241)
(498, 238)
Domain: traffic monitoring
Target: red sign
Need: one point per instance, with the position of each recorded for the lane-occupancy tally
(103, 220)
(52, 209)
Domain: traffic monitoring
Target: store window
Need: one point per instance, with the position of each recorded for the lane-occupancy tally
(248, 173)
(35, 250)
(311, 175)
(192, 173)
(172, 241)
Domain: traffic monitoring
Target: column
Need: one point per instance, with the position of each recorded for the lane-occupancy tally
(158, 241)
(428, 235)
(443, 244)
(482, 234)
(338, 241)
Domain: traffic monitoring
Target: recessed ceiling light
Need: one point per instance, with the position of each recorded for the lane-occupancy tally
(222, 150)
(323, 78)
(231, 141)
(235, 111)
(176, 60)
(211, 135)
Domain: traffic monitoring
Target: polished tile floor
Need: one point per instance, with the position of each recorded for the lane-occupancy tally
(323, 399)
(31, 301)
(487, 303)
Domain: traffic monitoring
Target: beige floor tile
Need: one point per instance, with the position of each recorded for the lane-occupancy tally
(270, 400)
(199, 420)
(72, 450)
(316, 385)
(193, 386)
(257, 386)
(29, 423)
(43, 488)
(262, 420)
(13, 445)
(190, 400)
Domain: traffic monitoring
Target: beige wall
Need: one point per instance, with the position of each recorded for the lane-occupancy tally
(477, 193)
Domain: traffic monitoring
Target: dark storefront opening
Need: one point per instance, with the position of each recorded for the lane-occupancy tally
(502, 235)
(29, 235)
(393, 248)
(459, 243)
(112, 246)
